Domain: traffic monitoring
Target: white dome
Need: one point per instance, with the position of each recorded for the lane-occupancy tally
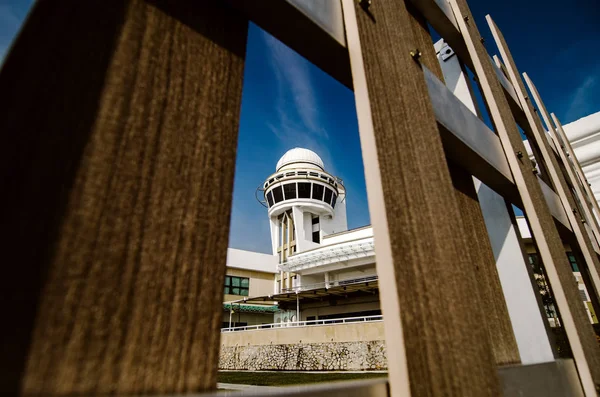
(300, 155)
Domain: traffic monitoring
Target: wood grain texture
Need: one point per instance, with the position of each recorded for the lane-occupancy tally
(559, 180)
(123, 121)
(447, 350)
(489, 298)
(536, 209)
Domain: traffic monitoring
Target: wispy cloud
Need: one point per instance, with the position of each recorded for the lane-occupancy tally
(299, 121)
(9, 26)
(585, 98)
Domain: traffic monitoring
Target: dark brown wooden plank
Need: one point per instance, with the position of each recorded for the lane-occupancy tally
(559, 180)
(120, 125)
(546, 236)
(424, 273)
(478, 249)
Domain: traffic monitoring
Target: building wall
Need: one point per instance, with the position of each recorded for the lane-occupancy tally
(341, 347)
(261, 283)
(352, 332)
(339, 305)
(246, 318)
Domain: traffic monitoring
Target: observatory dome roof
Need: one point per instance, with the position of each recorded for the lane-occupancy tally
(300, 155)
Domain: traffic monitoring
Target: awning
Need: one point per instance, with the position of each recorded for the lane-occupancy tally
(238, 307)
(319, 294)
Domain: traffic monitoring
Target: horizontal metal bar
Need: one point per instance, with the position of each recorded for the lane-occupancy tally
(309, 323)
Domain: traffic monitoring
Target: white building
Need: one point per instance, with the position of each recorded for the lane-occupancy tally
(584, 136)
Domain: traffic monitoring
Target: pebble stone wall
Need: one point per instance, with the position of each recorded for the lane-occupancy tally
(333, 356)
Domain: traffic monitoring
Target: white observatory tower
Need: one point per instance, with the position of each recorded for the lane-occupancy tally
(305, 203)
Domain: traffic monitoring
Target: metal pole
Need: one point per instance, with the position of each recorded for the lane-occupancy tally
(230, 314)
(297, 307)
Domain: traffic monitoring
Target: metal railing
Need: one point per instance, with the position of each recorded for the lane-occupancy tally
(310, 323)
(337, 283)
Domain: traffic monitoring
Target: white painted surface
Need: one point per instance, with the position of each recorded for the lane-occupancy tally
(584, 136)
(556, 208)
(523, 309)
(525, 315)
(325, 13)
(249, 260)
(523, 227)
(349, 235)
(460, 120)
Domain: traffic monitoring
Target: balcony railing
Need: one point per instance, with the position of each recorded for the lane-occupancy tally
(295, 324)
(336, 283)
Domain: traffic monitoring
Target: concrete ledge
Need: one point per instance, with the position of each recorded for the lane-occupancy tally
(554, 379)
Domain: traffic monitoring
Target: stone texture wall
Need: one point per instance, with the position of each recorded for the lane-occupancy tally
(329, 356)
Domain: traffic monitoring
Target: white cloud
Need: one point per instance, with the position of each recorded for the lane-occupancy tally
(296, 96)
(9, 26)
(582, 103)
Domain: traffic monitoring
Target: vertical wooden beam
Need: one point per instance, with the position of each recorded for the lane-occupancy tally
(436, 345)
(485, 279)
(559, 180)
(540, 220)
(568, 166)
(120, 125)
(578, 170)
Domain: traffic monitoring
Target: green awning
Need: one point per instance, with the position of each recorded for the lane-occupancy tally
(250, 308)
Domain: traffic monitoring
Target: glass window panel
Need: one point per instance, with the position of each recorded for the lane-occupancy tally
(573, 262)
(227, 280)
(303, 190)
(245, 282)
(290, 191)
(334, 200)
(235, 291)
(270, 199)
(328, 194)
(235, 281)
(278, 194)
(226, 292)
(244, 291)
(317, 192)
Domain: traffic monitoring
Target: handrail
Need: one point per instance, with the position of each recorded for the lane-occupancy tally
(310, 323)
(336, 283)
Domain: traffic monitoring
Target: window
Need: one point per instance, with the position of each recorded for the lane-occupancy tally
(290, 191)
(237, 285)
(315, 220)
(278, 194)
(270, 199)
(328, 194)
(573, 261)
(583, 295)
(303, 190)
(316, 237)
(317, 192)
(334, 200)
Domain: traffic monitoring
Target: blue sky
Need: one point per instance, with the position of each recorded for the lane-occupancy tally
(287, 102)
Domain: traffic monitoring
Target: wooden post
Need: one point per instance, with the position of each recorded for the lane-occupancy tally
(546, 236)
(119, 125)
(568, 166)
(489, 298)
(435, 342)
(538, 136)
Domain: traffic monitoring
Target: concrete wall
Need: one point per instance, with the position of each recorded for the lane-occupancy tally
(249, 260)
(352, 332)
(355, 346)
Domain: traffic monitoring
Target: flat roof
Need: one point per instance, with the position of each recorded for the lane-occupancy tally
(348, 290)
